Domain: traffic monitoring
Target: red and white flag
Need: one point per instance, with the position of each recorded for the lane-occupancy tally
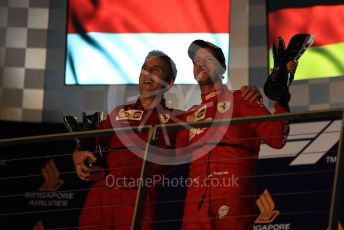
(107, 40)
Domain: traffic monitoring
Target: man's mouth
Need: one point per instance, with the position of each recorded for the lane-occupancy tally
(148, 81)
(202, 71)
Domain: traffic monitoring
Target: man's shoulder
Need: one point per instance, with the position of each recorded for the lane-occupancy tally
(238, 97)
(240, 102)
(237, 94)
(125, 107)
(193, 108)
(177, 112)
(121, 109)
(173, 110)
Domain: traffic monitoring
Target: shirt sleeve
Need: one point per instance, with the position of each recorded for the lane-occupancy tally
(273, 133)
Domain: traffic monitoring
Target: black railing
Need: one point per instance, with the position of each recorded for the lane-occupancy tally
(337, 188)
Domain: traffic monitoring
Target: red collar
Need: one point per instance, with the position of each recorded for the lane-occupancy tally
(211, 95)
(138, 105)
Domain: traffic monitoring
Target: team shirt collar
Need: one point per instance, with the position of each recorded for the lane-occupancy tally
(211, 95)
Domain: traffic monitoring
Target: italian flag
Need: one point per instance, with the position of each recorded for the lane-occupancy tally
(323, 19)
(107, 40)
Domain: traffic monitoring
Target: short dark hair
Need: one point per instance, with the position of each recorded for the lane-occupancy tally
(172, 69)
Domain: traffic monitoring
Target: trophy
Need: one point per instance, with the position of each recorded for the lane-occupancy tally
(277, 84)
(97, 168)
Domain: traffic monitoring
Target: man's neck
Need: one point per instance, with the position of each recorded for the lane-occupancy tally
(210, 87)
(150, 102)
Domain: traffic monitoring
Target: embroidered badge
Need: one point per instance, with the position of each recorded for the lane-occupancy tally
(130, 114)
(200, 114)
(223, 106)
(122, 115)
(210, 95)
(190, 118)
(136, 115)
(223, 211)
(195, 132)
(165, 117)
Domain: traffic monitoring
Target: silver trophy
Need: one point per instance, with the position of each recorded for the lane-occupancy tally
(89, 122)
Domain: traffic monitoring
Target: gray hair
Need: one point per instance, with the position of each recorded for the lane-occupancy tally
(172, 69)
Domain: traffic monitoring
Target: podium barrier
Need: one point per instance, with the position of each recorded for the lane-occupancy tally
(56, 194)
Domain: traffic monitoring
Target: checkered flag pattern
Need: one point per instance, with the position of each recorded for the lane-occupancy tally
(23, 41)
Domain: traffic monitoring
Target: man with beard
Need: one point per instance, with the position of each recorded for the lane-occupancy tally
(223, 158)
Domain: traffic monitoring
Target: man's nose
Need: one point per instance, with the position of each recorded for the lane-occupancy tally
(147, 72)
(203, 63)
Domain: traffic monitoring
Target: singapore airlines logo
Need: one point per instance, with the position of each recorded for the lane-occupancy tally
(52, 180)
(266, 206)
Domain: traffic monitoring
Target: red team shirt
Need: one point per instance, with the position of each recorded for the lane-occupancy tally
(224, 160)
(113, 207)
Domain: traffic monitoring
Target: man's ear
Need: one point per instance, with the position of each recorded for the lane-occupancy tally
(222, 69)
(169, 85)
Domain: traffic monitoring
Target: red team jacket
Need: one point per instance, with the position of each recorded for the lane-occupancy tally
(110, 202)
(225, 155)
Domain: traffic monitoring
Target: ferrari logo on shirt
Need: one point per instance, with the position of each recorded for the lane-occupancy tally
(223, 211)
(164, 117)
(131, 114)
(223, 106)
